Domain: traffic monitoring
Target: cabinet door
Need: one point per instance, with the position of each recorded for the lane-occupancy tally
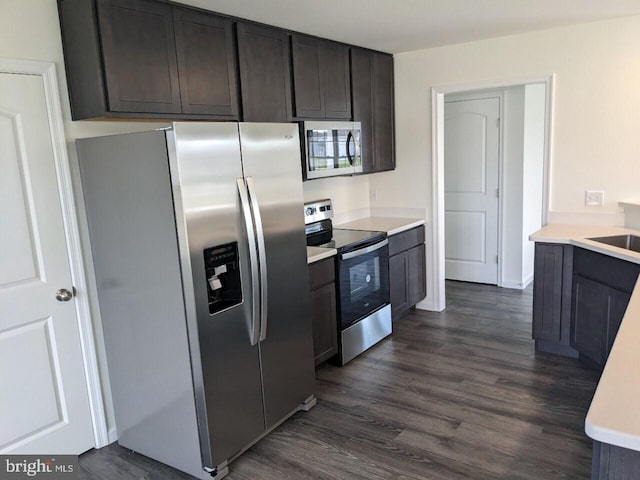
(321, 78)
(362, 101)
(398, 288)
(139, 55)
(547, 292)
(334, 62)
(589, 322)
(416, 274)
(372, 80)
(307, 80)
(618, 302)
(265, 76)
(325, 323)
(383, 114)
(206, 63)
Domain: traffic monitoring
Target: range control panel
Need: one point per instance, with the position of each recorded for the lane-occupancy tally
(318, 210)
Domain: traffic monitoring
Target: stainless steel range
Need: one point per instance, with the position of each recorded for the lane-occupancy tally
(362, 271)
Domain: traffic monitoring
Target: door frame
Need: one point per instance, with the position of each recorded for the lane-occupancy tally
(482, 95)
(47, 71)
(437, 164)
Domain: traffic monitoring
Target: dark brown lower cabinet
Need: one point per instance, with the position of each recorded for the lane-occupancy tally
(602, 287)
(552, 283)
(614, 463)
(597, 315)
(323, 309)
(407, 270)
(590, 315)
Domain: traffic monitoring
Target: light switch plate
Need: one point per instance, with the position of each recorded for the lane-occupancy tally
(594, 198)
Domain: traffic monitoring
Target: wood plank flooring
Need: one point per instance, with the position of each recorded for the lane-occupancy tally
(450, 396)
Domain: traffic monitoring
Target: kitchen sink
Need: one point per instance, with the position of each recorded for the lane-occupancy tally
(628, 242)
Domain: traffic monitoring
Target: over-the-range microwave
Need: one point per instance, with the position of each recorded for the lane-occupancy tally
(331, 149)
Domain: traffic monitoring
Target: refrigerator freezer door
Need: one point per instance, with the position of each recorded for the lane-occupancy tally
(271, 158)
(205, 165)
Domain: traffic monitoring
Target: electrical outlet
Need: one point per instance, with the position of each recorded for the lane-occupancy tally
(594, 198)
(373, 194)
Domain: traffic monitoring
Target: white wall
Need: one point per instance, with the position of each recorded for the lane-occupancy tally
(533, 168)
(596, 111)
(523, 165)
(511, 201)
(350, 195)
(596, 106)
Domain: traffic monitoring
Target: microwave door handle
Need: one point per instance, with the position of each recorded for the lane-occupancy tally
(364, 251)
(349, 138)
(253, 259)
(262, 258)
(356, 151)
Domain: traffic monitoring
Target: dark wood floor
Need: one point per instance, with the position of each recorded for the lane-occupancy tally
(450, 396)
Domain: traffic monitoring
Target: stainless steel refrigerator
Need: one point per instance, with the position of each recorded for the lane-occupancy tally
(199, 253)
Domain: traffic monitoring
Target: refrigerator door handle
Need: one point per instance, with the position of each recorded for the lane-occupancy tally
(253, 259)
(262, 257)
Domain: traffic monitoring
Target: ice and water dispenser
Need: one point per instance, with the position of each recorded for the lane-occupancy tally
(222, 267)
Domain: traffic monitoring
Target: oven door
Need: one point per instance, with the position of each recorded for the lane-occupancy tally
(363, 281)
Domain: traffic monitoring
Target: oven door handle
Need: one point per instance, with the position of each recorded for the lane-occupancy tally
(364, 251)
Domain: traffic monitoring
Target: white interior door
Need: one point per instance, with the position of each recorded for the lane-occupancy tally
(471, 160)
(44, 405)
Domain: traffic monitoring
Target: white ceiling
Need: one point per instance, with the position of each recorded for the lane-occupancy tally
(404, 25)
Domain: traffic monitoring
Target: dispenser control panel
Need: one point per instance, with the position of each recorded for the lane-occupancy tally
(222, 267)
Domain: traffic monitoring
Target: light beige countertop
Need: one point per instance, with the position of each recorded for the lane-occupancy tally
(391, 225)
(579, 236)
(315, 254)
(613, 415)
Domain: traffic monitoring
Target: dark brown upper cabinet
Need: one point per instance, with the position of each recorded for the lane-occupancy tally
(373, 107)
(159, 59)
(362, 98)
(383, 113)
(206, 63)
(141, 58)
(321, 80)
(265, 73)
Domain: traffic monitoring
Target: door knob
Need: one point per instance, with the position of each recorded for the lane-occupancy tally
(63, 295)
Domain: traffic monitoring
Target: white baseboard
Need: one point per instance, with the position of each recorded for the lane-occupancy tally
(113, 435)
(518, 285)
(428, 305)
(528, 280)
